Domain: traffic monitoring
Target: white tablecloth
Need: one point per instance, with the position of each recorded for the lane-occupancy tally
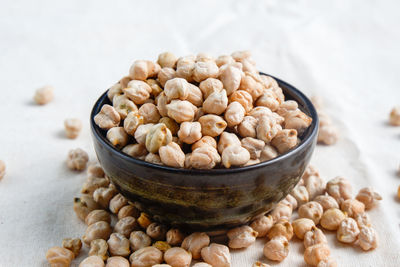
(345, 51)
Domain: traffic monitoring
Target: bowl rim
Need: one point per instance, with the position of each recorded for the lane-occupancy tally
(304, 143)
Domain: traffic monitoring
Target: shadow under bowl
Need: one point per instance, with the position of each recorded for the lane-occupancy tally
(207, 199)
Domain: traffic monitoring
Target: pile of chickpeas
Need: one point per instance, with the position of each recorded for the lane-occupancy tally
(200, 112)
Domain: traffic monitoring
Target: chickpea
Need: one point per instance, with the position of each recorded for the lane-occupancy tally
(297, 120)
(92, 261)
(204, 57)
(174, 237)
(135, 150)
(155, 86)
(128, 210)
(97, 216)
(235, 155)
(368, 197)
(138, 240)
(44, 95)
(311, 210)
(314, 254)
(327, 135)
(315, 185)
(205, 157)
(147, 256)
(230, 77)
(348, 231)
(281, 228)
(177, 88)
(241, 237)
(276, 249)
(286, 107)
(126, 225)
(103, 196)
(161, 101)
(123, 105)
(195, 95)
(95, 170)
(363, 220)
(132, 121)
(249, 66)
(394, 118)
(224, 59)
(285, 140)
(167, 60)
(116, 89)
(252, 162)
(210, 86)
(72, 244)
(217, 255)
(153, 158)
(97, 230)
(227, 139)
(212, 125)
(92, 183)
(367, 239)
(189, 132)
(202, 264)
(327, 202)
(165, 75)
(84, 205)
(267, 129)
(300, 193)
(141, 132)
(330, 262)
(117, 137)
(194, 243)
(289, 201)
(216, 103)
(77, 159)
(162, 246)
(59, 257)
(2, 169)
(339, 188)
(144, 220)
(72, 128)
(149, 113)
(302, 226)
(244, 98)
(172, 155)
(252, 84)
(156, 231)
(260, 264)
(254, 146)
(241, 55)
(117, 202)
(247, 128)
(185, 67)
(234, 114)
(138, 91)
(205, 141)
(178, 257)
(205, 69)
(99, 247)
(268, 99)
(313, 237)
(143, 69)
(268, 153)
(181, 110)
(117, 261)
(118, 245)
(281, 211)
(158, 135)
(352, 207)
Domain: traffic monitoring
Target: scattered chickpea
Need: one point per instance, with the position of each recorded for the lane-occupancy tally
(2, 169)
(328, 135)
(276, 249)
(348, 231)
(117, 137)
(128, 210)
(195, 242)
(156, 231)
(84, 205)
(92, 183)
(281, 211)
(367, 239)
(217, 255)
(241, 237)
(144, 220)
(44, 95)
(315, 185)
(352, 207)
(300, 193)
(302, 226)
(313, 237)
(172, 155)
(311, 210)
(290, 201)
(97, 216)
(99, 247)
(118, 245)
(126, 225)
(138, 240)
(174, 237)
(262, 225)
(235, 155)
(73, 244)
(327, 202)
(98, 230)
(281, 228)
(260, 264)
(72, 128)
(92, 261)
(330, 262)
(162, 246)
(95, 170)
(316, 253)
(178, 257)
(117, 202)
(394, 118)
(339, 188)
(117, 261)
(332, 218)
(58, 256)
(147, 256)
(77, 159)
(107, 118)
(103, 196)
(368, 197)
(363, 220)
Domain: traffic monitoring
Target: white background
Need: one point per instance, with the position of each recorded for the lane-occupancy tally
(345, 51)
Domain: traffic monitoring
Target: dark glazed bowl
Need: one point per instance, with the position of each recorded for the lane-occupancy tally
(207, 199)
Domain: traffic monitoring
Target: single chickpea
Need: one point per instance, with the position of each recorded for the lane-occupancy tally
(268, 99)
(310, 171)
(162, 246)
(368, 238)
(276, 249)
(267, 128)
(44, 95)
(99, 247)
(167, 60)
(126, 225)
(72, 128)
(194, 244)
(281, 211)
(147, 256)
(314, 254)
(141, 132)
(203, 70)
(352, 207)
(224, 59)
(204, 57)
(123, 105)
(327, 202)
(84, 205)
(241, 237)
(178, 257)
(327, 135)
(227, 139)
(97, 216)
(210, 86)
(128, 210)
(252, 162)
(117, 261)
(135, 150)
(92, 183)
(244, 98)
(339, 188)
(212, 125)
(235, 155)
(285, 140)
(204, 141)
(247, 128)
(260, 264)
(289, 201)
(251, 82)
(368, 197)
(172, 155)
(249, 66)
(77, 159)
(95, 170)
(268, 153)
(153, 158)
(123, 82)
(158, 135)
(132, 121)
(348, 231)
(311, 210)
(103, 196)
(171, 124)
(2, 169)
(156, 231)
(155, 87)
(286, 107)
(195, 95)
(394, 118)
(234, 114)
(332, 218)
(138, 91)
(181, 110)
(149, 112)
(254, 146)
(165, 75)
(138, 240)
(72, 244)
(313, 237)
(330, 262)
(176, 88)
(216, 103)
(281, 228)
(144, 220)
(114, 90)
(174, 237)
(185, 66)
(92, 261)
(118, 245)
(230, 77)
(363, 220)
(98, 230)
(199, 112)
(315, 185)
(302, 226)
(241, 55)
(300, 193)
(217, 255)
(189, 132)
(59, 257)
(117, 202)
(200, 264)
(117, 137)
(205, 157)
(297, 120)
(143, 69)
(161, 101)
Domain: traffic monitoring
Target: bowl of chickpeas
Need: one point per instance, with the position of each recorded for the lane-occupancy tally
(203, 143)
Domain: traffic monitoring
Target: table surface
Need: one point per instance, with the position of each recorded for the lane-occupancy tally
(344, 51)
